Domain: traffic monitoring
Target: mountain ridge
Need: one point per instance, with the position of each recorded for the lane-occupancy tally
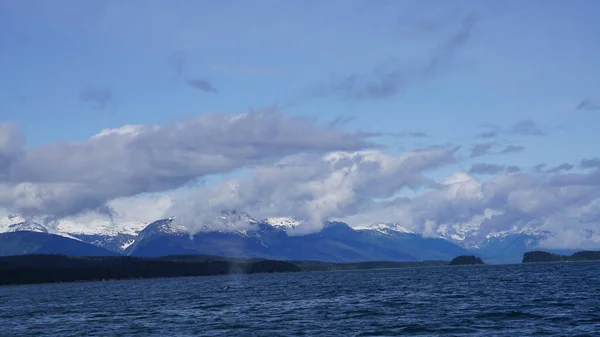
(237, 233)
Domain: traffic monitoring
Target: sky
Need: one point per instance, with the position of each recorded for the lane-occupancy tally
(426, 113)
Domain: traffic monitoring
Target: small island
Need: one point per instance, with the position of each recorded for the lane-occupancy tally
(466, 260)
(541, 256)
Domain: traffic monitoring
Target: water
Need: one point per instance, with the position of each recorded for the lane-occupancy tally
(509, 300)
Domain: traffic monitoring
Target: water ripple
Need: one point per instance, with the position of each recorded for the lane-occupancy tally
(509, 300)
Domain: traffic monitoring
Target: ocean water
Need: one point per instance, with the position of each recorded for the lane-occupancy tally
(556, 299)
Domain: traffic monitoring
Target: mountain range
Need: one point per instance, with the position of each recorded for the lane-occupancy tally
(273, 238)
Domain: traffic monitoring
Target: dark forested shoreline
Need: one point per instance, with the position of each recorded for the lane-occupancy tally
(541, 256)
(30, 269)
(49, 268)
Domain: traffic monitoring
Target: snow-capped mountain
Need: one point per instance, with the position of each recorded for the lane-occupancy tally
(385, 228)
(528, 231)
(238, 234)
(27, 226)
(283, 222)
(99, 232)
(15, 223)
(164, 226)
(337, 241)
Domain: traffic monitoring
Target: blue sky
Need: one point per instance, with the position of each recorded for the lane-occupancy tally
(534, 60)
(71, 70)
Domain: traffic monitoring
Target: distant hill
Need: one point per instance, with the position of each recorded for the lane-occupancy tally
(26, 242)
(541, 256)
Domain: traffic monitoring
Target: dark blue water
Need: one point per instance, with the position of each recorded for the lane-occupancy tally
(559, 299)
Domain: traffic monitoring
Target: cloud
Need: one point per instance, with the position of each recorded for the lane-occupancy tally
(312, 188)
(411, 134)
(202, 84)
(513, 149)
(521, 128)
(482, 149)
(539, 167)
(560, 168)
(136, 159)
(482, 168)
(513, 169)
(178, 61)
(248, 70)
(588, 105)
(100, 98)
(341, 121)
(565, 205)
(488, 134)
(11, 147)
(590, 163)
(526, 128)
(388, 81)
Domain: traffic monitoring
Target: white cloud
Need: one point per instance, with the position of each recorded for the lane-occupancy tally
(67, 178)
(314, 189)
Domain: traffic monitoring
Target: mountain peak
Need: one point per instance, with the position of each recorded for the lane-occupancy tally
(27, 226)
(386, 228)
(283, 222)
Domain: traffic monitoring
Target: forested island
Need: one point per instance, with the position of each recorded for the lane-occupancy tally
(28, 269)
(466, 260)
(541, 256)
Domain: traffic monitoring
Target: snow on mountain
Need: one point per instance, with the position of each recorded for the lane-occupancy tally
(515, 230)
(127, 244)
(99, 226)
(27, 226)
(230, 222)
(283, 222)
(95, 230)
(15, 223)
(385, 228)
(6, 220)
(165, 226)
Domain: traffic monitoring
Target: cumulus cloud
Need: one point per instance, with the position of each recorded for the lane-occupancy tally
(202, 84)
(68, 177)
(387, 81)
(565, 205)
(513, 200)
(100, 98)
(314, 189)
